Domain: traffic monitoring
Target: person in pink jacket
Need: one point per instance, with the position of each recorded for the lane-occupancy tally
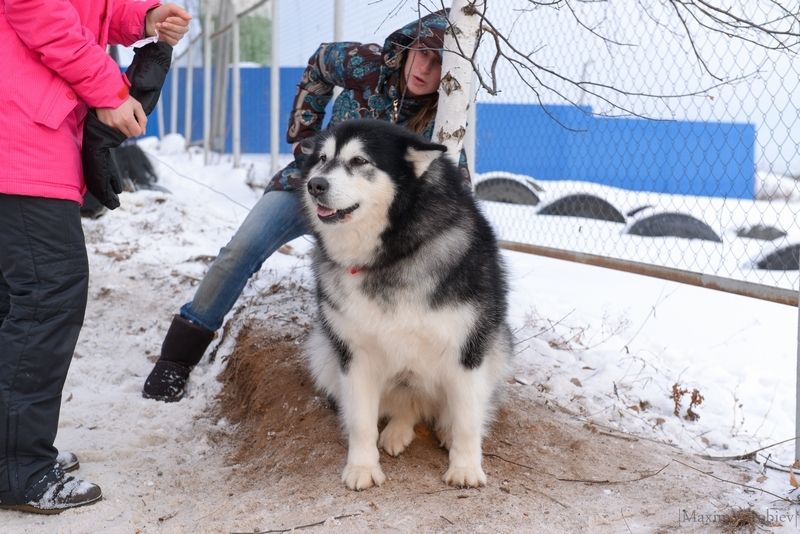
(54, 67)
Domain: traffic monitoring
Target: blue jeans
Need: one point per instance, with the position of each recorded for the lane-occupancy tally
(275, 220)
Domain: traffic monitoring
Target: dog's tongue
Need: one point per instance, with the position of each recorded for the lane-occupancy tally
(322, 211)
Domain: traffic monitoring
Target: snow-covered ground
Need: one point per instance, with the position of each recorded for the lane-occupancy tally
(622, 351)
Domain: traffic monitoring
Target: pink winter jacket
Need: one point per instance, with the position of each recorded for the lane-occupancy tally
(53, 64)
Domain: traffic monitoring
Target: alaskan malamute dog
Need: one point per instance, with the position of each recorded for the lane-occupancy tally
(411, 295)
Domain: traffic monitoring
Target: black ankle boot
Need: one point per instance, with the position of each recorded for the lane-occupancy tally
(182, 349)
(61, 493)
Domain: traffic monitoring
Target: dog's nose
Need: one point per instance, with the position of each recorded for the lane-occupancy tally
(317, 186)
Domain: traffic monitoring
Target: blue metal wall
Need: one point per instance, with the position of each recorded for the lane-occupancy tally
(255, 136)
(552, 143)
(692, 158)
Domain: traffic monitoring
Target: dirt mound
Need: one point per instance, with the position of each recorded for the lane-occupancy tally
(547, 468)
(283, 426)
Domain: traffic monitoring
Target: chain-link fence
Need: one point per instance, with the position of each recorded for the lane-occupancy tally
(634, 132)
(619, 132)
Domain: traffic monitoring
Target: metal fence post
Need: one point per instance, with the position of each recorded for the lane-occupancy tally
(207, 86)
(236, 97)
(338, 20)
(187, 116)
(221, 50)
(275, 92)
(160, 113)
(173, 99)
(338, 33)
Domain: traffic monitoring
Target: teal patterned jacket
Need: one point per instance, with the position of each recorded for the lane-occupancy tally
(369, 76)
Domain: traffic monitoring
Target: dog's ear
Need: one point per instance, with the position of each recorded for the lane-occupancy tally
(421, 154)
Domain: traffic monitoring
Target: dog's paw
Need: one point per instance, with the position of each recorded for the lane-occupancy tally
(359, 477)
(465, 477)
(395, 438)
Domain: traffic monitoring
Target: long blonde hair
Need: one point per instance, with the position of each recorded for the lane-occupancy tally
(426, 114)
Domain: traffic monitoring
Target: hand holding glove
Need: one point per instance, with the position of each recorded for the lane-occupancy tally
(129, 118)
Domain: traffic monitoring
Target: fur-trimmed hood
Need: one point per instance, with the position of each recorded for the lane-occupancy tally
(429, 31)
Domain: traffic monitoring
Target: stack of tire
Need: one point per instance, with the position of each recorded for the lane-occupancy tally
(511, 189)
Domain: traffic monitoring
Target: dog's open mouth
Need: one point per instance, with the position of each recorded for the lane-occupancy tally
(330, 215)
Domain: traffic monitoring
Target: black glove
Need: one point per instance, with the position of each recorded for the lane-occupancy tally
(99, 168)
(147, 74)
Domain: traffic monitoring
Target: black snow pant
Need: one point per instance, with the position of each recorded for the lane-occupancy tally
(44, 275)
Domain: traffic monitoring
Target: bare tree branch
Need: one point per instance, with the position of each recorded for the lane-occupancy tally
(773, 27)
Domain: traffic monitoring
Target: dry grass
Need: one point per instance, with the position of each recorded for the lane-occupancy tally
(742, 520)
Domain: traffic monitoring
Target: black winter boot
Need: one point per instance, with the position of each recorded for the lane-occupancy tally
(182, 349)
(63, 493)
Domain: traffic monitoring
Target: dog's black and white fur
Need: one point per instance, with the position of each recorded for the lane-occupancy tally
(411, 294)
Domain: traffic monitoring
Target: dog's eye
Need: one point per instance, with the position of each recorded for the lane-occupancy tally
(323, 158)
(358, 161)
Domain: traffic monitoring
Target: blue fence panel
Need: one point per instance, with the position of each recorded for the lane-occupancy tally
(255, 87)
(564, 142)
(693, 158)
(526, 139)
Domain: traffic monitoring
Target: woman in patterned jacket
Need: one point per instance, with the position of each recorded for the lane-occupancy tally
(397, 82)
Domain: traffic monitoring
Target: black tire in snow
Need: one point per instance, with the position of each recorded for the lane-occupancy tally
(583, 205)
(760, 231)
(674, 225)
(783, 259)
(505, 190)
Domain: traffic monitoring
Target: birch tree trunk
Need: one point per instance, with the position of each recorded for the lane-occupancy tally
(455, 91)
